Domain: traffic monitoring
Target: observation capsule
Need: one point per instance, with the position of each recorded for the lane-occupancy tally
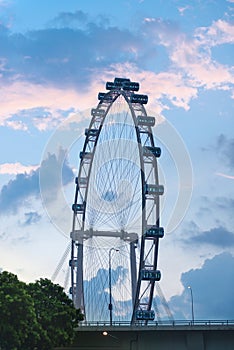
(142, 315)
(86, 155)
(150, 275)
(83, 181)
(154, 231)
(97, 112)
(120, 81)
(78, 208)
(152, 189)
(104, 96)
(73, 262)
(131, 85)
(151, 151)
(142, 99)
(91, 132)
(110, 85)
(145, 121)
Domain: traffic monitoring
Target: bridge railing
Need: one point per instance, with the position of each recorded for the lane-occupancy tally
(165, 323)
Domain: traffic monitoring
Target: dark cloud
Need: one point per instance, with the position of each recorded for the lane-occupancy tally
(31, 218)
(16, 193)
(224, 203)
(79, 20)
(224, 207)
(220, 208)
(75, 19)
(97, 302)
(37, 56)
(23, 238)
(212, 287)
(225, 147)
(51, 167)
(218, 236)
(69, 55)
(3, 236)
(218, 202)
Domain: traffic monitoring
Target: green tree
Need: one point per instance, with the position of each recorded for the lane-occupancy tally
(55, 314)
(35, 316)
(19, 328)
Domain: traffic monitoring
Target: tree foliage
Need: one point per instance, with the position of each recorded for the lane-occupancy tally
(35, 316)
(55, 313)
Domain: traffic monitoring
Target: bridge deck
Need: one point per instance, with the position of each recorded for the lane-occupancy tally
(181, 335)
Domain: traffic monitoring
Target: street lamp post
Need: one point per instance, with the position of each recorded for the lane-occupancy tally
(110, 291)
(191, 291)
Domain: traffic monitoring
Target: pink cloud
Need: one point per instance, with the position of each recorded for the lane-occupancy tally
(192, 65)
(157, 85)
(193, 57)
(16, 125)
(200, 67)
(220, 32)
(21, 95)
(16, 168)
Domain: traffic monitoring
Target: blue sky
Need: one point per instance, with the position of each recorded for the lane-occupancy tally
(55, 56)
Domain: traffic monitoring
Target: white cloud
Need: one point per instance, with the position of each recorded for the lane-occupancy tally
(149, 19)
(16, 168)
(183, 9)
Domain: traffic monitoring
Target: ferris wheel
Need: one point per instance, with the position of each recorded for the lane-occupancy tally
(116, 212)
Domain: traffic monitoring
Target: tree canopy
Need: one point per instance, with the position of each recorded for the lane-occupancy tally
(36, 315)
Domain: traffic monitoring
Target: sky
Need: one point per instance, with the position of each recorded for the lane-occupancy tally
(55, 56)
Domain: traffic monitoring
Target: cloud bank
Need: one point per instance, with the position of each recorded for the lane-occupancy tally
(212, 287)
(17, 192)
(36, 73)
